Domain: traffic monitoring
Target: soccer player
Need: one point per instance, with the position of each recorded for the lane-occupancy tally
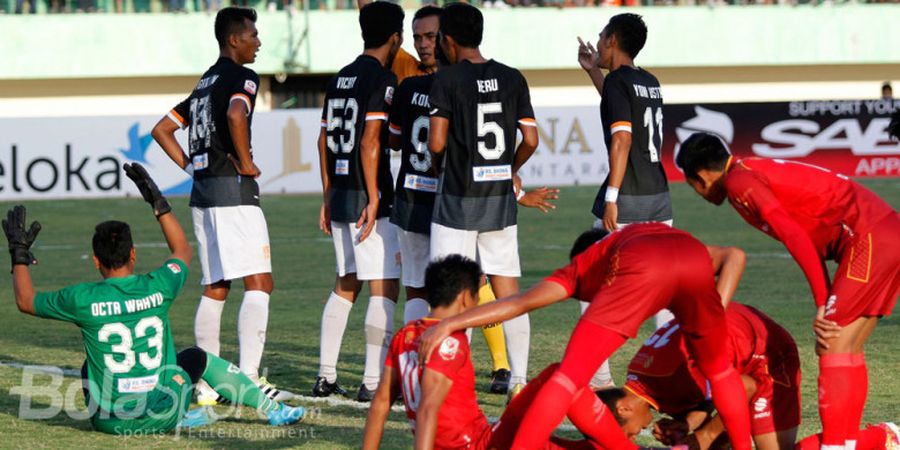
(357, 197)
(136, 383)
(819, 216)
(628, 276)
(439, 397)
(231, 231)
(477, 107)
(663, 376)
(425, 33)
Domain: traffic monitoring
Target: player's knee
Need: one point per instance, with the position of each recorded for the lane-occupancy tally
(193, 361)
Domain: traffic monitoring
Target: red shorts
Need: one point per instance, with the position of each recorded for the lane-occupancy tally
(776, 404)
(671, 271)
(867, 280)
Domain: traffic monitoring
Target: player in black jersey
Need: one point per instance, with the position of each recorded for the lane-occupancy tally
(358, 195)
(477, 107)
(229, 225)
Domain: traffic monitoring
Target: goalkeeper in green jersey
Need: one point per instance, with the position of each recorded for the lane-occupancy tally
(135, 382)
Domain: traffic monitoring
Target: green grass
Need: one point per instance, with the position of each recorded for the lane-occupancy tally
(304, 275)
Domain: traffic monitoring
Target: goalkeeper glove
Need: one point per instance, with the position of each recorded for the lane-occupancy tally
(148, 188)
(19, 239)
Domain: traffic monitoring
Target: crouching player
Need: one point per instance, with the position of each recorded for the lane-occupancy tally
(135, 381)
(440, 396)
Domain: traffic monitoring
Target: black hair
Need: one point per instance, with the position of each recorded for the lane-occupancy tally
(464, 23)
(378, 21)
(428, 11)
(630, 30)
(447, 277)
(610, 397)
(701, 151)
(230, 21)
(886, 85)
(112, 243)
(585, 240)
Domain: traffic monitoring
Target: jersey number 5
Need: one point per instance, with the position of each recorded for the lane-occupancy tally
(344, 121)
(126, 342)
(654, 139)
(490, 127)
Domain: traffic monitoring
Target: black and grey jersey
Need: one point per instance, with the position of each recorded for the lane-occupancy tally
(360, 92)
(632, 102)
(485, 104)
(205, 114)
(417, 179)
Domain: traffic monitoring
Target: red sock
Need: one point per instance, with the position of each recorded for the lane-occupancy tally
(730, 399)
(837, 376)
(861, 387)
(871, 438)
(588, 347)
(591, 416)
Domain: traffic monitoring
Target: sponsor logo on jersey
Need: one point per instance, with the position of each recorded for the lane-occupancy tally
(492, 173)
(138, 384)
(420, 183)
(342, 167)
(449, 348)
(831, 306)
(175, 268)
(250, 87)
(760, 404)
(178, 379)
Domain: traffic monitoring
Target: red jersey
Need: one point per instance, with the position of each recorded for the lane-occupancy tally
(663, 373)
(812, 210)
(460, 420)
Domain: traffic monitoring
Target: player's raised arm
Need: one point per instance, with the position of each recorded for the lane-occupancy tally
(435, 387)
(164, 135)
(539, 296)
(728, 264)
(388, 389)
(370, 151)
(20, 241)
(589, 59)
(175, 238)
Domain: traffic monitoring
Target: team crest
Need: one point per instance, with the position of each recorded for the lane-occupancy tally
(175, 268)
(449, 348)
(250, 87)
(178, 379)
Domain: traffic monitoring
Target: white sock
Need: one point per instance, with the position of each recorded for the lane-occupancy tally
(584, 306)
(414, 309)
(207, 323)
(518, 337)
(663, 317)
(850, 444)
(603, 378)
(469, 335)
(334, 322)
(379, 325)
(253, 320)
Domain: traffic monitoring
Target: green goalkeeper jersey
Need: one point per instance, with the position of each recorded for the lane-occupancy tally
(127, 338)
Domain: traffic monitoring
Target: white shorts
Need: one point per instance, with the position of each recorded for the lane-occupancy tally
(414, 249)
(598, 224)
(496, 251)
(233, 242)
(376, 258)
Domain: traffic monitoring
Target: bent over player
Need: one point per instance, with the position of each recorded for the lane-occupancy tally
(357, 198)
(818, 215)
(439, 396)
(628, 276)
(136, 382)
(231, 231)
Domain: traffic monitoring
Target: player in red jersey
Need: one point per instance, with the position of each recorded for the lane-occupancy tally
(627, 276)
(439, 397)
(819, 216)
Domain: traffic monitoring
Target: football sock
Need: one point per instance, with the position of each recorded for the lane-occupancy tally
(663, 317)
(593, 419)
(253, 319)
(603, 376)
(858, 405)
(334, 322)
(870, 438)
(414, 309)
(493, 333)
(588, 347)
(518, 337)
(207, 323)
(379, 325)
(233, 384)
(837, 376)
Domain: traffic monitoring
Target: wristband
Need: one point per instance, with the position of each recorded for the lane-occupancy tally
(612, 194)
(520, 194)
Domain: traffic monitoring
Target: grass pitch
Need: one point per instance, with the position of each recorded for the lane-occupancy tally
(303, 260)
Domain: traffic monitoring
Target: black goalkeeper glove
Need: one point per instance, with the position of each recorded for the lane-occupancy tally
(148, 188)
(894, 126)
(20, 241)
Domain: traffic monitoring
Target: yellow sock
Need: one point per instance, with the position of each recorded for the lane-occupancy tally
(493, 333)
